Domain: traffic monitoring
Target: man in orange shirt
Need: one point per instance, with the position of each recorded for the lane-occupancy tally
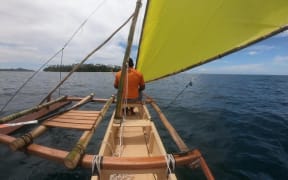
(135, 83)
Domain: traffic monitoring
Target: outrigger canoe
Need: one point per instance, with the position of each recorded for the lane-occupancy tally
(176, 36)
(131, 148)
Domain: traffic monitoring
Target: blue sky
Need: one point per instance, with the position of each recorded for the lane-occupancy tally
(269, 56)
(32, 31)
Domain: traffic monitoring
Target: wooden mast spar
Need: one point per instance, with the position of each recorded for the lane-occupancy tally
(118, 114)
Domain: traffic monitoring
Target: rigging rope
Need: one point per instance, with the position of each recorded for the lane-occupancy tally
(82, 25)
(34, 74)
(60, 78)
(87, 57)
(181, 92)
(51, 58)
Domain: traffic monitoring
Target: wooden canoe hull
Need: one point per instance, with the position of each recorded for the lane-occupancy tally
(132, 147)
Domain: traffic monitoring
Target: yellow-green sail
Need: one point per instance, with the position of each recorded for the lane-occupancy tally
(181, 34)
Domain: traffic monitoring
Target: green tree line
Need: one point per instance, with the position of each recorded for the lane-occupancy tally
(83, 68)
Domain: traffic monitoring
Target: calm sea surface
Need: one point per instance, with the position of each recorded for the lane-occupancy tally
(238, 122)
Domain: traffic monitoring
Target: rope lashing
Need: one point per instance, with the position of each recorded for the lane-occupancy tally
(170, 161)
(96, 161)
(79, 148)
(27, 138)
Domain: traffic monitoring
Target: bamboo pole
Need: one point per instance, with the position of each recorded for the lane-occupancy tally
(83, 101)
(73, 158)
(206, 169)
(18, 124)
(27, 138)
(118, 114)
(101, 100)
(178, 140)
(31, 110)
(175, 136)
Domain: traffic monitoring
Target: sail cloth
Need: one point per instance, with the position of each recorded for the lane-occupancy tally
(179, 35)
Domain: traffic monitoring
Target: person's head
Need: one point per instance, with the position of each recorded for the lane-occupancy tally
(130, 63)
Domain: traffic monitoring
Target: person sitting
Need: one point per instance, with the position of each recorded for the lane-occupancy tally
(135, 84)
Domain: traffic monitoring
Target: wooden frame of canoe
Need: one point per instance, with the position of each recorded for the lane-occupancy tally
(130, 148)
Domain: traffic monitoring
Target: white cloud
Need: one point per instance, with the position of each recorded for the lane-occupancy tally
(34, 30)
(258, 49)
(233, 69)
(283, 34)
(281, 59)
(252, 53)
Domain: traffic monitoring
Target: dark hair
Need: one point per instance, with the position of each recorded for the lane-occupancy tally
(130, 63)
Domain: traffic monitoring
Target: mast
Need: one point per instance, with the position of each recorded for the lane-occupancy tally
(118, 114)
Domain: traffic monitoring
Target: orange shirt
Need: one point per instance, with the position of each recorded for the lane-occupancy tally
(135, 80)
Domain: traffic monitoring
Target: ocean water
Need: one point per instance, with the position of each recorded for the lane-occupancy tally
(238, 122)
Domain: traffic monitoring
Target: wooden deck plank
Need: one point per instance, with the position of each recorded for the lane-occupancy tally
(68, 125)
(77, 114)
(84, 112)
(76, 117)
(75, 121)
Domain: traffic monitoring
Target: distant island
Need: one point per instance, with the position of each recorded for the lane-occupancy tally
(16, 69)
(83, 68)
